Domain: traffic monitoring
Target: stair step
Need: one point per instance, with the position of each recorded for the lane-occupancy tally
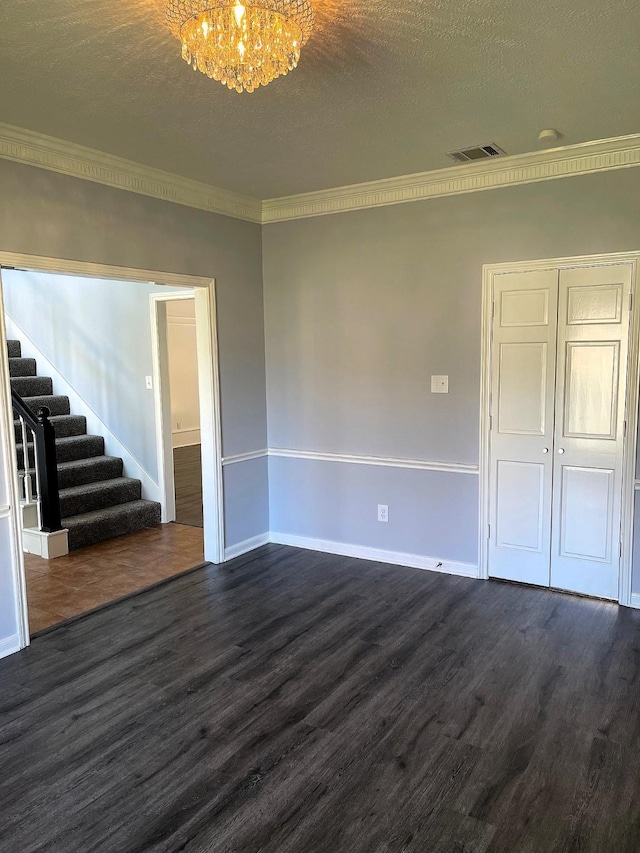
(22, 367)
(91, 527)
(57, 404)
(95, 496)
(32, 386)
(69, 449)
(96, 502)
(93, 470)
(63, 425)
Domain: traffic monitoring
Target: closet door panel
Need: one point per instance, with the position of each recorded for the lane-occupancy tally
(593, 330)
(522, 418)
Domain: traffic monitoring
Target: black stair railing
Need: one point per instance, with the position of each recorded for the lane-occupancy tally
(46, 467)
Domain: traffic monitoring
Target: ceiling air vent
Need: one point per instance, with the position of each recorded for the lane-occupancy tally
(478, 152)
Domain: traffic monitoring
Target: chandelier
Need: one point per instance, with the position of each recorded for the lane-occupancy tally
(242, 43)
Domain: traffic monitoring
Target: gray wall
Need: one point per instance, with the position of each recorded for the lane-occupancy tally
(335, 502)
(43, 213)
(97, 334)
(244, 490)
(361, 308)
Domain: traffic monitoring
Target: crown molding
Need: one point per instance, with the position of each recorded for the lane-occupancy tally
(67, 158)
(568, 161)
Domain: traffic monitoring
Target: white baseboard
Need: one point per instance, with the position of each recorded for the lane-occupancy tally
(49, 546)
(9, 645)
(635, 600)
(247, 545)
(414, 561)
(398, 558)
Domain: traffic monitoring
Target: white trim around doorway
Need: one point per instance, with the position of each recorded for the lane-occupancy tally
(208, 366)
(166, 484)
(10, 512)
(625, 596)
(164, 432)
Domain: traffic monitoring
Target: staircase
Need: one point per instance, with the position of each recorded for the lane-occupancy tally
(96, 501)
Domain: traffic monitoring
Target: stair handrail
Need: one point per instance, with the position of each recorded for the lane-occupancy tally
(45, 459)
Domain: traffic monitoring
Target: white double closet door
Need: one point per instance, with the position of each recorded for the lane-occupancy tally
(558, 389)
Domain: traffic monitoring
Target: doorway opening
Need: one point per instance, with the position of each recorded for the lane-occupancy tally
(177, 399)
(76, 338)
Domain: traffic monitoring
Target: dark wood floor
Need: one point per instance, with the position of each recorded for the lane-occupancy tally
(295, 702)
(187, 472)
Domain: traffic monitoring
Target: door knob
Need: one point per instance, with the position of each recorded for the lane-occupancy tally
(561, 450)
(545, 449)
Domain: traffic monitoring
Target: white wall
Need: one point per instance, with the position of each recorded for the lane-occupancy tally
(96, 335)
(183, 372)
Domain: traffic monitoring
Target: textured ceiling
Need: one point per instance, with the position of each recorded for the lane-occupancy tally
(379, 91)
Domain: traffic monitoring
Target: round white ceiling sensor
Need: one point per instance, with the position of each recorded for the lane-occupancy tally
(548, 136)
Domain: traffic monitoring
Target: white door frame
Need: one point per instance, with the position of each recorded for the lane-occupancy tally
(164, 432)
(631, 415)
(209, 382)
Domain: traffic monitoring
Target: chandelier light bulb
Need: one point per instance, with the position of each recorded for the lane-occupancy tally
(243, 45)
(239, 12)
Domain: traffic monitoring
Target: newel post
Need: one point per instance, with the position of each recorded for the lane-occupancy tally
(47, 467)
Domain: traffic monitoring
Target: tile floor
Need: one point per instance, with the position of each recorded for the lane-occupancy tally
(85, 579)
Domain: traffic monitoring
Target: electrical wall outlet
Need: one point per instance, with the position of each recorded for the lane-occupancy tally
(383, 512)
(439, 384)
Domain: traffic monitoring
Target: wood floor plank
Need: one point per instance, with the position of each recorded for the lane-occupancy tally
(299, 702)
(187, 471)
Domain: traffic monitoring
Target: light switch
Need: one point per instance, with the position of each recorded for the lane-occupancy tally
(149, 382)
(439, 384)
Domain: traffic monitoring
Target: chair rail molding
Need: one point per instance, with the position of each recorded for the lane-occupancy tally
(353, 459)
(245, 457)
(382, 461)
(68, 158)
